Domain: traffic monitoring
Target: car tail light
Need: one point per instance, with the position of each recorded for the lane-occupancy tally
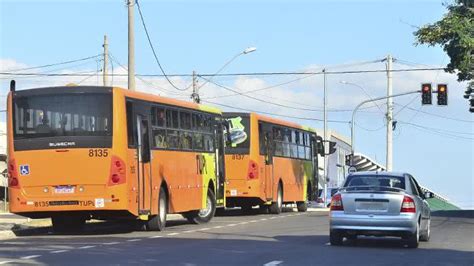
(252, 170)
(408, 205)
(319, 200)
(13, 174)
(117, 171)
(336, 203)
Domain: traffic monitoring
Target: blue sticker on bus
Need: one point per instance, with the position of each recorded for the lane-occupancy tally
(24, 169)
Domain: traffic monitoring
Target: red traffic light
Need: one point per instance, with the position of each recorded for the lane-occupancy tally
(426, 93)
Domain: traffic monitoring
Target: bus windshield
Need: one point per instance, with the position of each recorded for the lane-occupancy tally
(61, 115)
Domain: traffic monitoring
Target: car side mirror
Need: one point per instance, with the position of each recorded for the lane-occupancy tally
(429, 195)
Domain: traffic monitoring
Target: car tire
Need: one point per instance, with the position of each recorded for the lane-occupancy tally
(276, 206)
(203, 215)
(413, 240)
(335, 238)
(158, 222)
(425, 236)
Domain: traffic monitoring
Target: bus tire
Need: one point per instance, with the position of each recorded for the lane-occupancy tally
(203, 215)
(276, 206)
(64, 224)
(302, 206)
(158, 222)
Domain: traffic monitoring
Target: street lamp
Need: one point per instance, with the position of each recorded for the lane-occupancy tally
(195, 94)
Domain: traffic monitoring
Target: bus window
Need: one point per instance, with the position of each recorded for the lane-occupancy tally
(293, 146)
(208, 143)
(185, 120)
(278, 140)
(286, 141)
(186, 140)
(172, 138)
(239, 130)
(159, 138)
(172, 119)
(198, 141)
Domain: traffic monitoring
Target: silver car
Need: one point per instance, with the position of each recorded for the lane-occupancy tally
(380, 204)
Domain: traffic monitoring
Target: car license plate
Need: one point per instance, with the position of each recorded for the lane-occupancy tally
(64, 189)
(372, 206)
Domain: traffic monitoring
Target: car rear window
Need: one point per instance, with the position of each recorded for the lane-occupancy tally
(370, 181)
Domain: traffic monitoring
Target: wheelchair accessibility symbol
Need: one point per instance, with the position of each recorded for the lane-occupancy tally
(24, 169)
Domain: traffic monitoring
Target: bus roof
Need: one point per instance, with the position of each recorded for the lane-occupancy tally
(167, 100)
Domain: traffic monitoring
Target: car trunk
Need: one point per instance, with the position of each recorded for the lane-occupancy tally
(372, 202)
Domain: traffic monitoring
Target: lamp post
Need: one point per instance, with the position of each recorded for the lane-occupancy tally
(362, 103)
(195, 94)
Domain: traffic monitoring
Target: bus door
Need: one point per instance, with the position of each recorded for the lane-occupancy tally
(144, 164)
(220, 162)
(267, 142)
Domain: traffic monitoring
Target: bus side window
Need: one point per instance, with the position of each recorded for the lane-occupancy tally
(131, 130)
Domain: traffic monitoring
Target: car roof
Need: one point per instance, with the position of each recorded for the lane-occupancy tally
(379, 173)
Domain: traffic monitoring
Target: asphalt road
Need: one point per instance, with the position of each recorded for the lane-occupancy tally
(290, 238)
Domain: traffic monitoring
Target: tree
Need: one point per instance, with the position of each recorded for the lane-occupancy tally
(455, 33)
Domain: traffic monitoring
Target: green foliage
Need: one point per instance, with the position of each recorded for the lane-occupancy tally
(455, 33)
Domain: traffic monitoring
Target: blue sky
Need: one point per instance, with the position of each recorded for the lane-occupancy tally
(290, 36)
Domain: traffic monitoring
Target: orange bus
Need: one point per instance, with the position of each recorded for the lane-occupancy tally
(77, 153)
(269, 163)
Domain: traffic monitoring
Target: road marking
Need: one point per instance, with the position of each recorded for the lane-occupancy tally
(244, 223)
(263, 219)
(172, 234)
(204, 229)
(134, 240)
(231, 225)
(273, 218)
(155, 236)
(6, 262)
(217, 227)
(111, 243)
(86, 247)
(58, 251)
(190, 231)
(327, 244)
(30, 257)
(253, 221)
(271, 263)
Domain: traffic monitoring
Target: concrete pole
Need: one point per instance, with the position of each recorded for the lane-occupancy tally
(106, 62)
(389, 115)
(131, 46)
(195, 95)
(325, 139)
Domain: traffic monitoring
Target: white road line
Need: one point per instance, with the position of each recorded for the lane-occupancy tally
(189, 231)
(263, 219)
(172, 234)
(155, 236)
(111, 243)
(6, 262)
(134, 240)
(327, 244)
(253, 221)
(273, 218)
(86, 247)
(58, 251)
(244, 223)
(217, 227)
(204, 229)
(271, 263)
(231, 225)
(30, 257)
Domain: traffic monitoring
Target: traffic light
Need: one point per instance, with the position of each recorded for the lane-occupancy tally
(442, 94)
(426, 95)
(332, 147)
(348, 159)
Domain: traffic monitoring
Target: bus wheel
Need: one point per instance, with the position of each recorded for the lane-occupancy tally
(302, 206)
(276, 206)
(63, 224)
(158, 222)
(203, 215)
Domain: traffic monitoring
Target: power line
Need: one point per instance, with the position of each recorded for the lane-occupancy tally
(241, 74)
(440, 132)
(439, 116)
(268, 113)
(54, 64)
(153, 49)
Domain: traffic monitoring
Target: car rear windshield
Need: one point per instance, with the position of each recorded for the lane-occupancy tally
(59, 115)
(370, 182)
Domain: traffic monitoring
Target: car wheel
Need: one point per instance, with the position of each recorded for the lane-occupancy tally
(414, 239)
(425, 236)
(335, 238)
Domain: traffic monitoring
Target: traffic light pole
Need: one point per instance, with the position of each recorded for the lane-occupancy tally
(362, 103)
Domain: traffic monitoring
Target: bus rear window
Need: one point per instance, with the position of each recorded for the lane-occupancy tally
(239, 127)
(60, 115)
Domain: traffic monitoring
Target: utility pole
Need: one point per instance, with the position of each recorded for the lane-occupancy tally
(195, 94)
(389, 114)
(325, 138)
(131, 46)
(106, 63)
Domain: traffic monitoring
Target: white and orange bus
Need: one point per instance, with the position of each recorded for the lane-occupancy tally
(76, 153)
(269, 163)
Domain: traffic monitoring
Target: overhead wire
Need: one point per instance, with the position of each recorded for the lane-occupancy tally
(153, 49)
(54, 64)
